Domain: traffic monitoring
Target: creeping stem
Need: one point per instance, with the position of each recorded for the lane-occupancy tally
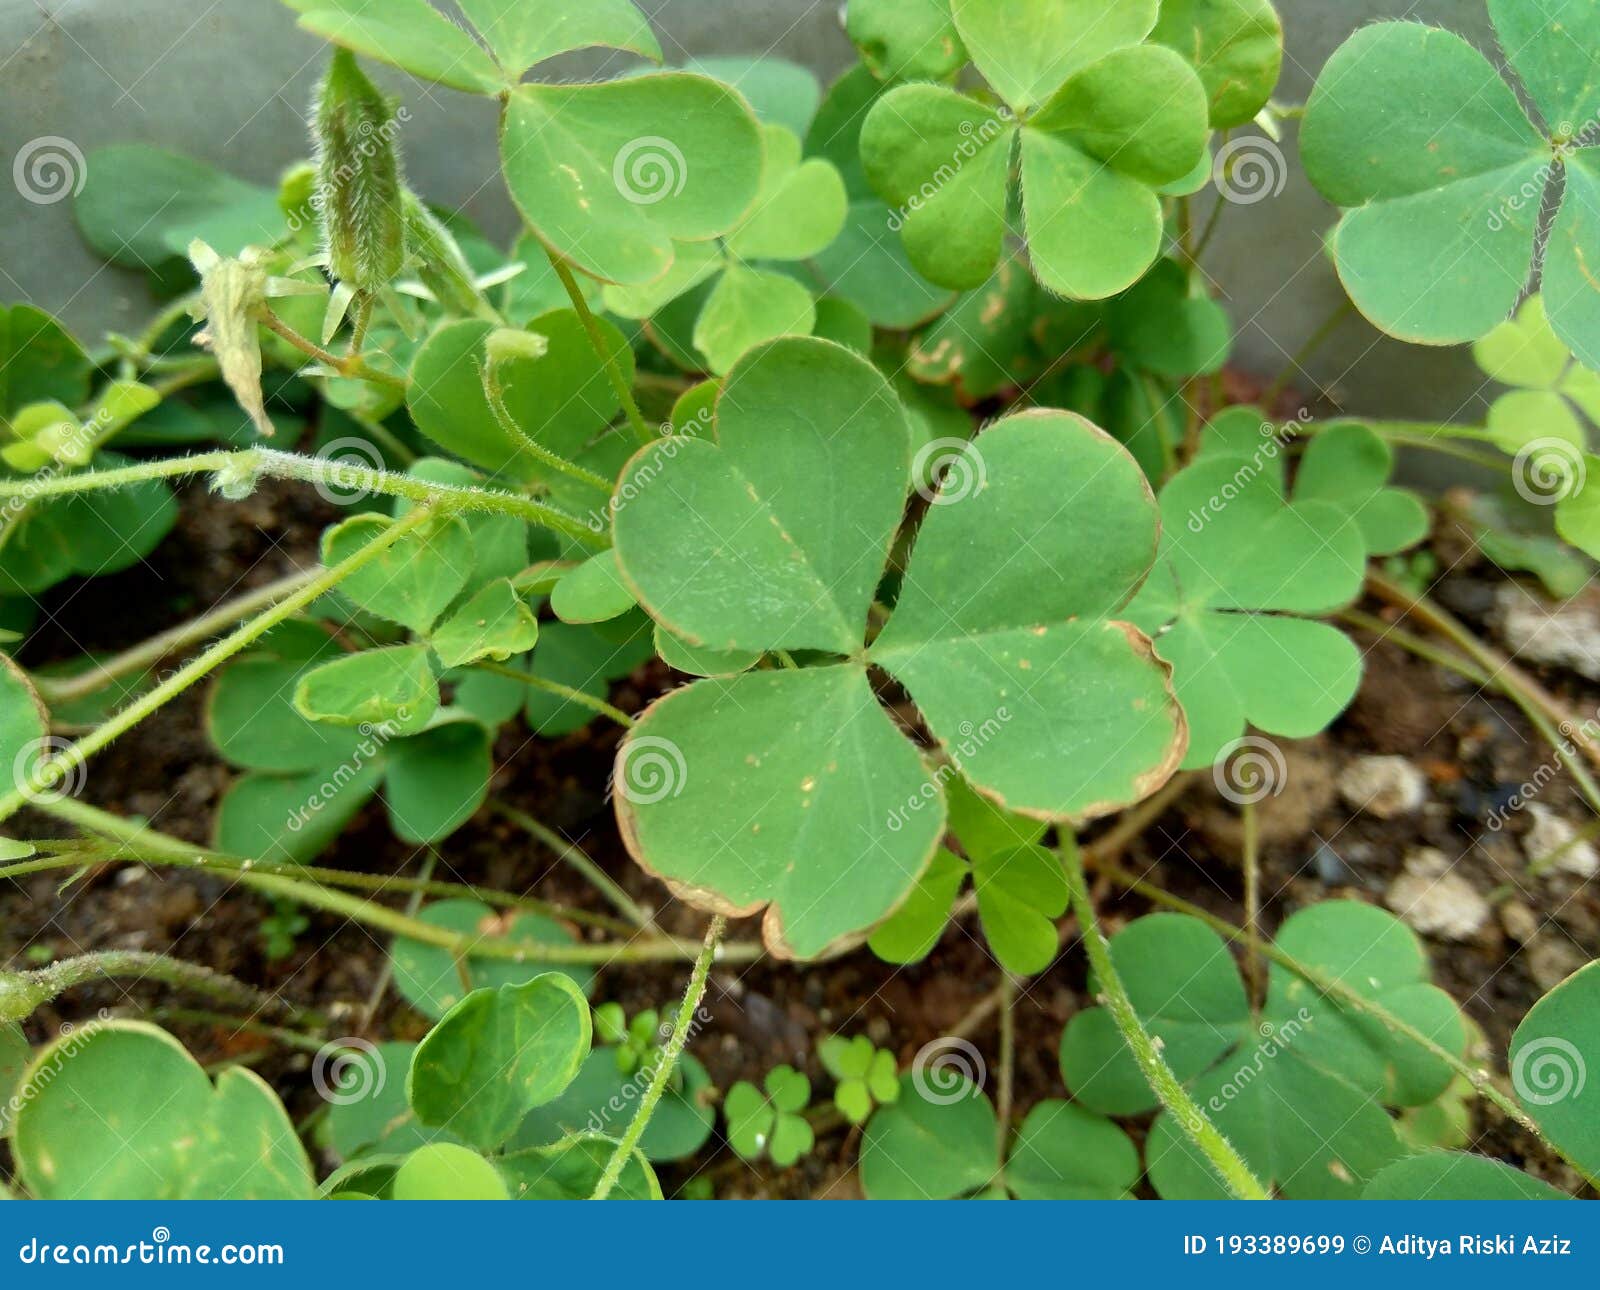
(666, 1063)
(602, 351)
(1235, 1173)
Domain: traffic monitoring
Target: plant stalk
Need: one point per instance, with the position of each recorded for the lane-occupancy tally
(1236, 1175)
(667, 1062)
(591, 325)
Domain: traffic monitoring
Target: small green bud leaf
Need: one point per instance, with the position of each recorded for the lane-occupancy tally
(508, 344)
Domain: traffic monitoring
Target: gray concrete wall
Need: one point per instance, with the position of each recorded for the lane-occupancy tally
(228, 81)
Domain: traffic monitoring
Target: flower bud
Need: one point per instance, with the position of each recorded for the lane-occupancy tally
(358, 177)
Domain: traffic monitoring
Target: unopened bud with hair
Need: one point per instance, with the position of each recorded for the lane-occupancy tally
(358, 177)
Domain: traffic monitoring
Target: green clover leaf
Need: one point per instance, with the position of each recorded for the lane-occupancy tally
(865, 1074)
(1235, 45)
(413, 35)
(906, 40)
(119, 1111)
(1099, 120)
(497, 1054)
(1554, 1056)
(681, 1124)
(937, 1141)
(1300, 1088)
(770, 1123)
(1243, 567)
(1454, 1175)
(1443, 176)
(773, 536)
(612, 176)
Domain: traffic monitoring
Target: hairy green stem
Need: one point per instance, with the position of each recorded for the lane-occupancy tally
(580, 860)
(602, 351)
(352, 365)
(63, 689)
(1312, 344)
(502, 415)
(21, 993)
(140, 844)
(48, 775)
(1236, 1175)
(246, 462)
(1006, 1076)
(1340, 993)
(667, 1062)
(1252, 901)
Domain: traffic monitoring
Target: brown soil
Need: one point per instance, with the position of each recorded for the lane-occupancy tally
(1469, 746)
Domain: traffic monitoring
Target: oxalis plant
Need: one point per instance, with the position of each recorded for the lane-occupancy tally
(885, 423)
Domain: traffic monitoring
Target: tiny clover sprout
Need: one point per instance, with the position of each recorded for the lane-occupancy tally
(1299, 1087)
(119, 1111)
(1537, 420)
(1101, 120)
(497, 1054)
(429, 977)
(791, 789)
(937, 1141)
(798, 212)
(770, 1123)
(1444, 178)
(1020, 887)
(1244, 567)
(1554, 1056)
(865, 1075)
(634, 1042)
